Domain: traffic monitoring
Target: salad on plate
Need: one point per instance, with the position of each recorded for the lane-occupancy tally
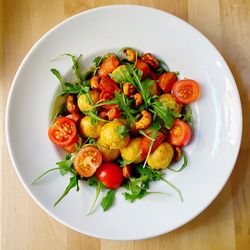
(121, 123)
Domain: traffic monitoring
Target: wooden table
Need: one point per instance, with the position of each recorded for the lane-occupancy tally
(224, 225)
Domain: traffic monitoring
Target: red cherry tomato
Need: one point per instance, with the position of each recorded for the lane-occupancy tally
(180, 134)
(70, 149)
(145, 143)
(63, 132)
(108, 85)
(186, 91)
(166, 81)
(110, 175)
(143, 67)
(87, 160)
(76, 117)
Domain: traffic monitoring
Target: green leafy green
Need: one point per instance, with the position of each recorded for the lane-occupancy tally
(184, 164)
(187, 115)
(124, 105)
(162, 67)
(66, 164)
(42, 175)
(76, 67)
(164, 113)
(58, 107)
(59, 77)
(122, 74)
(72, 183)
(108, 200)
(122, 130)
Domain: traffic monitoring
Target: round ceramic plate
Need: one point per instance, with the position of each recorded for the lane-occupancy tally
(217, 115)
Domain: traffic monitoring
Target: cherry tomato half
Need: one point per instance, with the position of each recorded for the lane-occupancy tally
(110, 175)
(186, 91)
(180, 134)
(145, 143)
(166, 81)
(63, 132)
(87, 160)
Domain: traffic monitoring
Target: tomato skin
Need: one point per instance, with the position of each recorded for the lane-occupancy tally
(110, 175)
(186, 91)
(145, 143)
(70, 149)
(76, 117)
(108, 88)
(143, 67)
(108, 65)
(63, 132)
(166, 81)
(180, 134)
(87, 160)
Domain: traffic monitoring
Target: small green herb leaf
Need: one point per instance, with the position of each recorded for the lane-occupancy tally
(59, 77)
(72, 183)
(184, 164)
(66, 164)
(108, 200)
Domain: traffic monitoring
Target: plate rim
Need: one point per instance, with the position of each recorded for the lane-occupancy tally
(178, 19)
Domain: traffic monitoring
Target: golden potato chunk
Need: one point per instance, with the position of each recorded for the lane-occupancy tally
(161, 157)
(84, 103)
(108, 154)
(88, 129)
(132, 152)
(111, 137)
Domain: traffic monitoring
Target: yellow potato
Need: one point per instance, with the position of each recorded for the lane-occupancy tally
(84, 103)
(110, 136)
(90, 130)
(108, 154)
(132, 152)
(161, 157)
(168, 101)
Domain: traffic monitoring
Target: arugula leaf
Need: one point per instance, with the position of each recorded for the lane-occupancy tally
(66, 164)
(122, 130)
(58, 107)
(108, 200)
(72, 183)
(174, 187)
(97, 61)
(164, 113)
(187, 115)
(76, 67)
(137, 188)
(163, 67)
(124, 104)
(122, 74)
(98, 189)
(42, 175)
(92, 181)
(72, 88)
(184, 164)
(59, 77)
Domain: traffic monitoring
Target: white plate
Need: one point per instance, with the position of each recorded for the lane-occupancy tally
(218, 120)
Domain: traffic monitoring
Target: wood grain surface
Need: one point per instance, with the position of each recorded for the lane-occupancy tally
(225, 224)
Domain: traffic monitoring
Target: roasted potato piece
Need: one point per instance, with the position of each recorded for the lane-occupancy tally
(84, 103)
(108, 154)
(111, 137)
(132, 151)
(161, 157)
(88, 129)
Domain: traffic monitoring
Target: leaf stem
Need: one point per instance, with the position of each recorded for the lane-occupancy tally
(174, 187)
(39, 177)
